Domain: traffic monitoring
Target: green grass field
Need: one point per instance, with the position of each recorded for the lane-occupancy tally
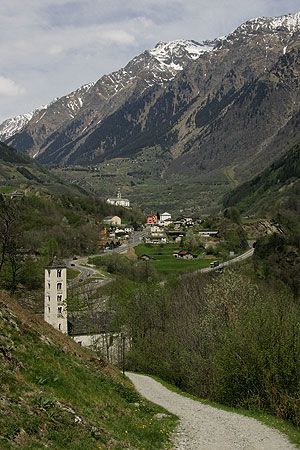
(163, 261)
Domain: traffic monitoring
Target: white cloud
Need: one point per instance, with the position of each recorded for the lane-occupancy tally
(9, 88)
(55, 50)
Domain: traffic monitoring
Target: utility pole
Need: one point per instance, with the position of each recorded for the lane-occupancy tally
(123, 337)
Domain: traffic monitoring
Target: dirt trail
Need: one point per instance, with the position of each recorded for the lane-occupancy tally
(203, 427)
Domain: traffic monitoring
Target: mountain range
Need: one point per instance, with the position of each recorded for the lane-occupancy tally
(86, 108)
(216, 112)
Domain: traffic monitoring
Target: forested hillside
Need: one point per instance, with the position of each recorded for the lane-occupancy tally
(20, 172)
(276, 187)
(47, 217)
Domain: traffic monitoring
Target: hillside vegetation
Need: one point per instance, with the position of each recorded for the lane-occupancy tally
(232, 338)
(18, 171)
(55, 394)
(276, 187)
(46, 217)
(10, 155)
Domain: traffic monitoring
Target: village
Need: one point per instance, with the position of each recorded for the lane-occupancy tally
(170, 246)
(158, 229)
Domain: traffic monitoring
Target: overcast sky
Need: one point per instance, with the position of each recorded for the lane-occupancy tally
(51, 47)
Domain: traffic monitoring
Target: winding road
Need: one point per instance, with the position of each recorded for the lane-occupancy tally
(87, 270)
(203, 427)
(230, 262)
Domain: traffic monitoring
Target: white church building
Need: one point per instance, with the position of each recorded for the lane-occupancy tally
(119, 201)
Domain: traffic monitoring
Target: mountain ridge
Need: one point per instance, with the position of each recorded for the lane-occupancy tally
(217, 118)
(290, 22)
(162, 62)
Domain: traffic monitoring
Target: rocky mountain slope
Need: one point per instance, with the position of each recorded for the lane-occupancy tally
(76, 114)
(12, 126)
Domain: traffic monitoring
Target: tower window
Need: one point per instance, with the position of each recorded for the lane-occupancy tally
(58, 273)
(59, 285)
(48, 309)
(48, 285)
(59, 326)
(59, 298)
(49, 272)
(59, 310)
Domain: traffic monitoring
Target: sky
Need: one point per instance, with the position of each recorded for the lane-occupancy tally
(50, 47)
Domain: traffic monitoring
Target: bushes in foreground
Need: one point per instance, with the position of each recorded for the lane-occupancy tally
(222, 338)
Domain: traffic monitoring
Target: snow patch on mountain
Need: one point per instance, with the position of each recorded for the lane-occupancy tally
(14, 125)
(11, 126)
(289, 22)
(168, 53)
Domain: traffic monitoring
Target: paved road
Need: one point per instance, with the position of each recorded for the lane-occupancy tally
(90, 271)
(230, 262)
(203, 427)
(135, 239)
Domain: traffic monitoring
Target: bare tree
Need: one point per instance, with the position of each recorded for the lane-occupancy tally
(10, 239)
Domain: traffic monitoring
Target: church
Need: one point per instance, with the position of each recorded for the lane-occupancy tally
(119, 201)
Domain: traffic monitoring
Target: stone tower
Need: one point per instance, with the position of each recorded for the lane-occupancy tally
(55, 311)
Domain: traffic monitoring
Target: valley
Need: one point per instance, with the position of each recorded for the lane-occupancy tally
(150, 247)
(149, 187)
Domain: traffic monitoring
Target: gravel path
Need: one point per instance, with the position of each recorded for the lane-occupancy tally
(203, 427)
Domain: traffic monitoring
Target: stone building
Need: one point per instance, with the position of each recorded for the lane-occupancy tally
(55, 311)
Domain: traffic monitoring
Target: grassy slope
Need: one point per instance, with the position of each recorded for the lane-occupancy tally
(163, 260)
(274, 186)
(148, 186)
(56, 394)
(18, 171)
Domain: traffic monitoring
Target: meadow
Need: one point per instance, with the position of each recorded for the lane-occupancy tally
(163, 261)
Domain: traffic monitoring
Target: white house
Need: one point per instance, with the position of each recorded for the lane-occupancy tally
(119, 201)
(55, 311)
(208, 233)
(165, 216)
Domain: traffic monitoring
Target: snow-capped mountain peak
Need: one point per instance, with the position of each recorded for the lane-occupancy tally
(171, 53)
(285, 25)
(11, 126)
(72, 102)
(289, 22)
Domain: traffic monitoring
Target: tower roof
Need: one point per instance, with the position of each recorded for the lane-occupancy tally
(56, 264)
